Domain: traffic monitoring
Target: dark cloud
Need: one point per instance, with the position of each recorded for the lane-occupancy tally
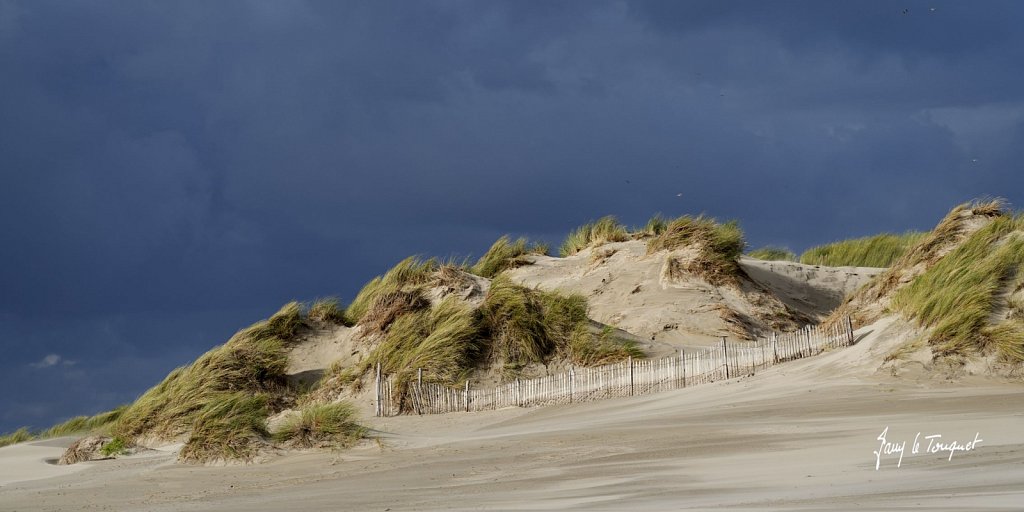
(174, 171)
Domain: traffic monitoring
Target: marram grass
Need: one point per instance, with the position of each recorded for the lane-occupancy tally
(604, 230)
(871, 251)
(318, 425)
(504, 254)
(719, 246)
(772, 253)
(957, 296)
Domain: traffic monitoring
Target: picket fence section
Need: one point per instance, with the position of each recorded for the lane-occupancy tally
(729, 359)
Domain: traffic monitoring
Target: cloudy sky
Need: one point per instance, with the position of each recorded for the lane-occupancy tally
(173, 171)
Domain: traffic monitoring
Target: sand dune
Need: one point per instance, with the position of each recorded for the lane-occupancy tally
(798, 436)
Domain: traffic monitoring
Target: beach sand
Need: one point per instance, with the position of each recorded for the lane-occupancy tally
(799, 436)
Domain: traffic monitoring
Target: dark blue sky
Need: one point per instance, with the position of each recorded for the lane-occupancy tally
(173, 171)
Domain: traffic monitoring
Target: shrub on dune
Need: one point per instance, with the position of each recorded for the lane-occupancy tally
(504, 254)
(331, 424)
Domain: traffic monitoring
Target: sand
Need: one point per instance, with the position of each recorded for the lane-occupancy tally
(798, 436)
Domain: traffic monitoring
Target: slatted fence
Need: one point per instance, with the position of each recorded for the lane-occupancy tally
(729, 359)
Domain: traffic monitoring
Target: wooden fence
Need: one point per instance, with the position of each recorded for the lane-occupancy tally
(729, 359)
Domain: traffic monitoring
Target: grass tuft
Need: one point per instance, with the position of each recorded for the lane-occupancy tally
(604, 230)
(719, 246)
(772, 253)
(18, 436)
(871, 251)
(253, 361)
(958, 295)
(229, 426)
(327, 311)
(409, 272)
(504, 254)
(321, 425)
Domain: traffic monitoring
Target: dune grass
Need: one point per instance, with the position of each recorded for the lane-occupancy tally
(228, 426)
(327, 310)
(772, 253)
(719, 246)
(504, 254)
(331, 424)
(441, 340)
(871, 251)
(252, 361)
(959, 294)
(408, 272)
(18, 436)
(604, 230)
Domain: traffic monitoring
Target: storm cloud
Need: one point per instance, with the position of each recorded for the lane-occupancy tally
(173, 171)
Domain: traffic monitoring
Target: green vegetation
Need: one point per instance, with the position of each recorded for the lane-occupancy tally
(604, 230)
(327, 310)
(588, 349)
(114, 447)
(329, 424)
(772, 253)
(229, 426)
(958, 295)
(18, 436)
(408, 272)
(81, 424)
(442, 340)
(504, 254)
(252, 361)
(654, 227)
(719, 246)
(870, 251)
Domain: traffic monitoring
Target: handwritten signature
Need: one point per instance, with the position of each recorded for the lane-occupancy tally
(935, 445)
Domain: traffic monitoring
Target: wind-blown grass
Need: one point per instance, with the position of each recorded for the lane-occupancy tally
(253, 361)
(408, 272)
(331, 424)
(958, 295)
(80, 424)
(870, 251)
(441, 340)
(229, 426)
(719, 246)
(772, 253)
(604, 230)
(18, 436)
(327, 310)
(504, 254)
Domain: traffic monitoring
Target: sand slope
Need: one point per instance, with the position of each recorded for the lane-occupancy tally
(798, 436)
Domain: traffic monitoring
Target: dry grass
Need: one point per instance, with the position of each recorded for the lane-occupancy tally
(604, 230)
(719, 246)
(409, 272)
(504, 254)
(871, 251)
(389, 306)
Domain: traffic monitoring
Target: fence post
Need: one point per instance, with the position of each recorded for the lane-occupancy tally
(630, 361)
(775, 346)
(519, 392)
(682, 362)
(377, 406)
(572, 373)
(849, 330)
(467, 395)
(725, 355)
